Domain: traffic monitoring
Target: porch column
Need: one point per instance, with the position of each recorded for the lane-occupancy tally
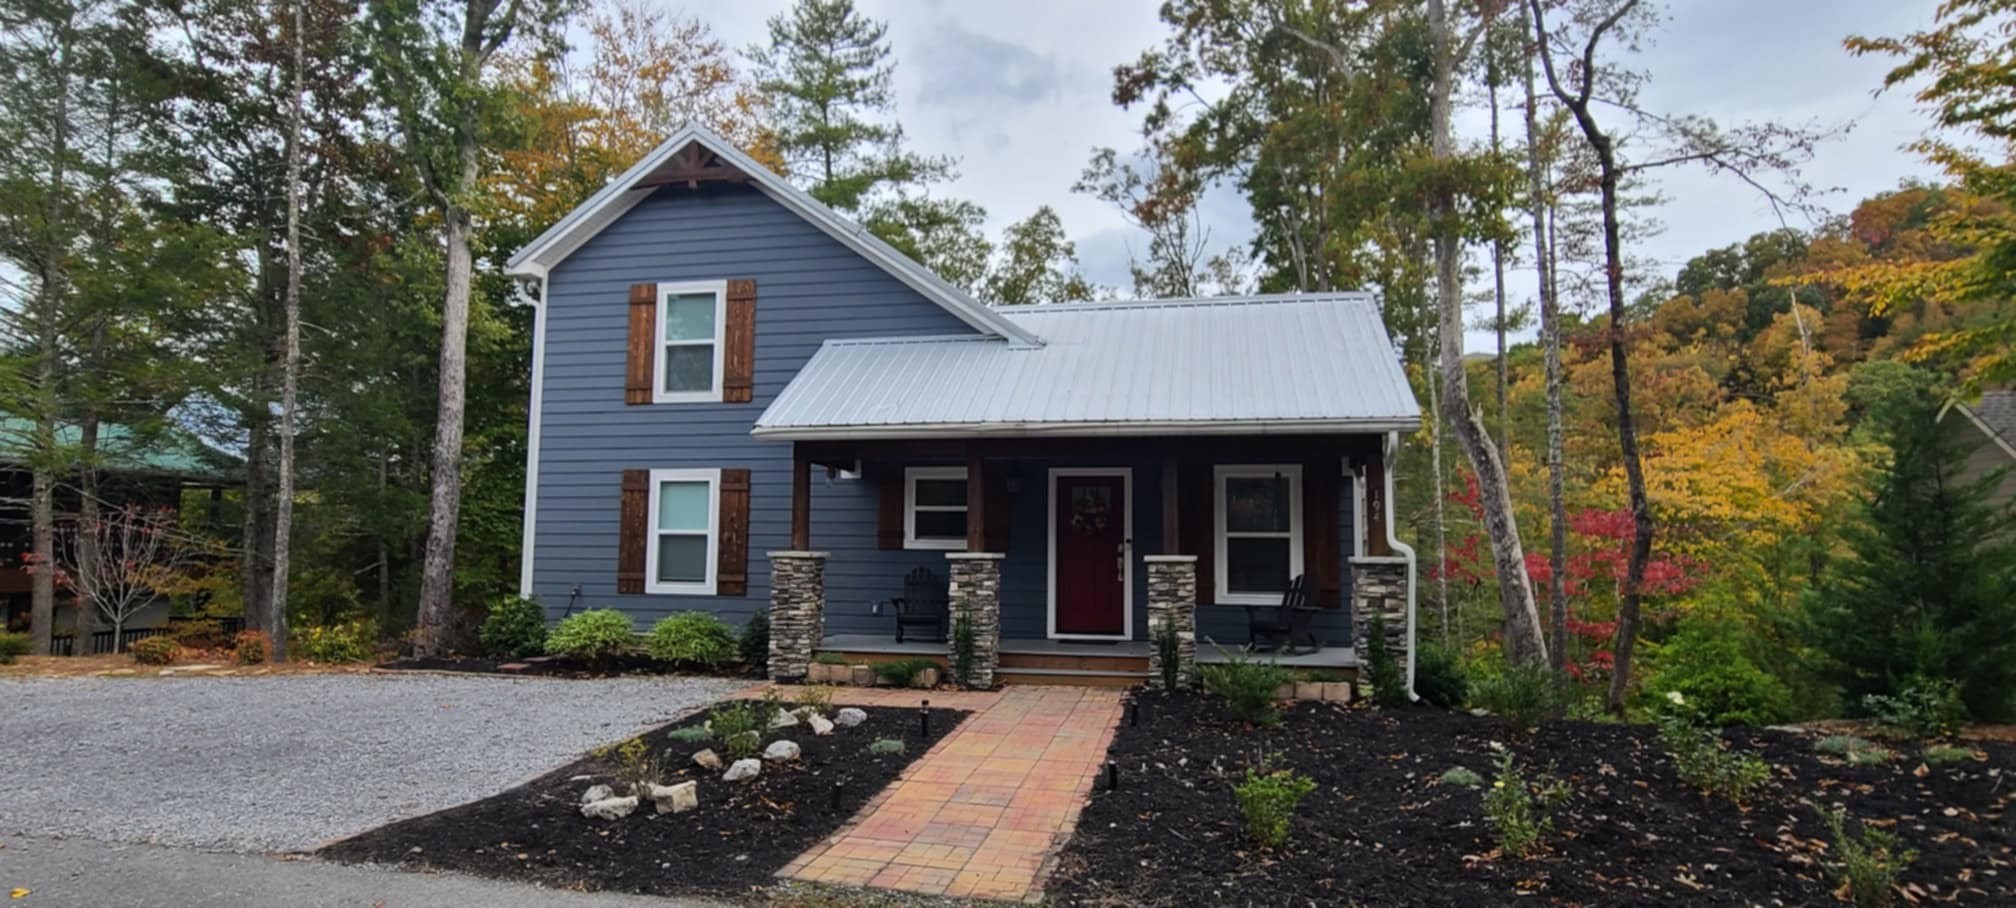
(976, 610)
(1172, 613)
(797, 604)
(1379, 586)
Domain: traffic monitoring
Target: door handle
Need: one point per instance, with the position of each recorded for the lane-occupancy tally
(1120, 562)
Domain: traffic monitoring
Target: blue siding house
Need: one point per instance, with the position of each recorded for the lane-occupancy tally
(743, 401)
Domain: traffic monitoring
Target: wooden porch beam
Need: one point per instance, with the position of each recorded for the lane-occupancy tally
(1171, 523)
(976, 502)
(1375, 506)
(801, 499)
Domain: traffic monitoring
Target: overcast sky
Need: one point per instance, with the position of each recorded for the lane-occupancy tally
(1019, 92)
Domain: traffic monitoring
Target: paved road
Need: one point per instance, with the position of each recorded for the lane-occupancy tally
(87, 874)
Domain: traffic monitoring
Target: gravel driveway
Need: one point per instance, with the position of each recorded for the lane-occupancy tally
(288, 763)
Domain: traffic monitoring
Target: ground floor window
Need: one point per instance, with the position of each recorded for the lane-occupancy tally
(1259, 532)
(934, 508)
(681, 556)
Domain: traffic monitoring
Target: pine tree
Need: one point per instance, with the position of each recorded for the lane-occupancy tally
(828, 73)
(1930, 587)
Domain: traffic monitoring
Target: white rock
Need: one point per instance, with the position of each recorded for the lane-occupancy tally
(707, 759)
(781, 750)
(674, 798)
(805, 712)
(609, 808)
(849, 717)
(820, 725)
(743, 769)
(783, 720)
(597, 793)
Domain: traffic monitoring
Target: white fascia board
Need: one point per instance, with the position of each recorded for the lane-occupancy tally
(1092, 429)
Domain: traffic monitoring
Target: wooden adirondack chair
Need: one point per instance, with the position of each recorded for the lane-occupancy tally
(924, 603)
(1284, 624)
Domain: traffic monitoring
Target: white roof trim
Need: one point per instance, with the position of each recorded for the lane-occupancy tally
(611, 201)
(1993, 435)
(1097, 429)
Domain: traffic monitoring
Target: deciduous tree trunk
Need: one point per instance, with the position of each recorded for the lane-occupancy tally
(283, 501)
(1537, 187)
(437, 573)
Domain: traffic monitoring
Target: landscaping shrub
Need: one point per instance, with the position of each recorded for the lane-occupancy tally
(1247, 684)
(200, 634)
(595, 635)
(688, 734)
(1867, 863)
(963, 655)
(155, 651)
(1706, 664)
(819, 697)
(885, 746)
(347, 642)
(251, 647)
(830, 659)
(1872, 755)
(692, 638)
(1522, 695)
(1438, 677)
(1840, 745)
(1701, 758)
(1389, 683)
(514, 629)
(1462, 776)
(14, 646)
(1942, 754)
(754, 645)
(902, 671)
(1922, 708)
(1520, 813)
(1268, 799)
(637, 767)
(1169, 649)
(739, 727)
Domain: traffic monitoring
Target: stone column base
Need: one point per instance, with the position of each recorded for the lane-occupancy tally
(1379, 585)
(1172, 609)
(976, 600)
(797, 612)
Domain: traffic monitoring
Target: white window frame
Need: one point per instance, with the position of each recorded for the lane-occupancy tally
(666, 291)
(1222, 574)
(911, 507)
(651, 582)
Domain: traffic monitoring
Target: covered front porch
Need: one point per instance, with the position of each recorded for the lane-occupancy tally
(1039, 661)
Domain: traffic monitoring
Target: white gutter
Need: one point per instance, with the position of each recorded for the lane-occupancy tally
(533, 407)
(1406, 551)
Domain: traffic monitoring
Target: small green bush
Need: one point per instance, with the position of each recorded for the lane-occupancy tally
(1247, 684)
(155, 651)
(350, 641)
(816, 697)
(901, 672)
(1317, 675)
(830, 659)
(1268, 800)
(1701, 758)
(1169, 652)
(1389, 683)
(754, 645)
(883, 747)
(1922, 708)
(739, 727)
(200, 634)
(251, 647)
(14, 646)
(1522, 695)
(692, 638)
(1706, 664)
(1840, 745)
(1520, 813)
(514, 629)
(1462, 777)
(688, 734)
(595, 635)
(1867, 863)
(1872, 755)
(1439, 679)
(1943, 754)
(637, 766)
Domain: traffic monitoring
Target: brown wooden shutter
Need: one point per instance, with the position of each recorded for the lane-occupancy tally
(637, 377)
(1198, 522)
(731, 563)
(889, 512)
(1320, 548)
(997, 510)
(738, 363)
(632, 534)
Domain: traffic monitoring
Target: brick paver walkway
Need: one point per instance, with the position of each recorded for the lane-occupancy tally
(984, 812)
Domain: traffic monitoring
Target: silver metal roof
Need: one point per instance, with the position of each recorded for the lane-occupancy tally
(1260, 365)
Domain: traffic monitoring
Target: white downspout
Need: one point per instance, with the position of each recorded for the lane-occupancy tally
(1406, 551)
(537, 300)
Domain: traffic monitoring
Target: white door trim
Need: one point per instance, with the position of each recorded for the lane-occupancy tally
(1126, 475)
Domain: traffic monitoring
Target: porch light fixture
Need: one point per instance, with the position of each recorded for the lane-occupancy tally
(839, 788)
(1112, 775)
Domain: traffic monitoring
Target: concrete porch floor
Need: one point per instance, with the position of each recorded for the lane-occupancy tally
(1327, 657)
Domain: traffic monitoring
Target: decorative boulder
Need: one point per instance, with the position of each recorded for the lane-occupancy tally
(849, 717)
(820, 724)
(609, 808)
(781, 750)
(743, 770)
(783, 720)
(805, 713)
(675, 798)
(597, 793)
(707, 759)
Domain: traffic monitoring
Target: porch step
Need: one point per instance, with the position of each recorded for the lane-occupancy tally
(1092, 661)
(1069, 677)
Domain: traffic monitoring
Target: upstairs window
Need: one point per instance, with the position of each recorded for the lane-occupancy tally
(934, 508)
(691, 317)
(1259, 532)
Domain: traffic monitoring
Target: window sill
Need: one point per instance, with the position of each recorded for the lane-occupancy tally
(679, 589)
(938, 545)
(1247, 599)
(687, 397)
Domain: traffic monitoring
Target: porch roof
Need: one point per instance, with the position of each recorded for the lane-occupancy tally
(1317, 363)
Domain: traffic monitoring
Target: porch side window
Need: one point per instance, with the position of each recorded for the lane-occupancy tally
(690, 322)
(934, 508)
(1259, 532)
(681, 555)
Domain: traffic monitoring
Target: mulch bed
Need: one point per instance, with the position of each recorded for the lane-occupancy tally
(1381, 830)
(740, 835)
(548, 666)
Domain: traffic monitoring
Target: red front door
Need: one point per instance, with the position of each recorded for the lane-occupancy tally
(1091, 569)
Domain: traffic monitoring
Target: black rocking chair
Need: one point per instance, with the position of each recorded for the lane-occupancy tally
(924, 603)
(1289, 623)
